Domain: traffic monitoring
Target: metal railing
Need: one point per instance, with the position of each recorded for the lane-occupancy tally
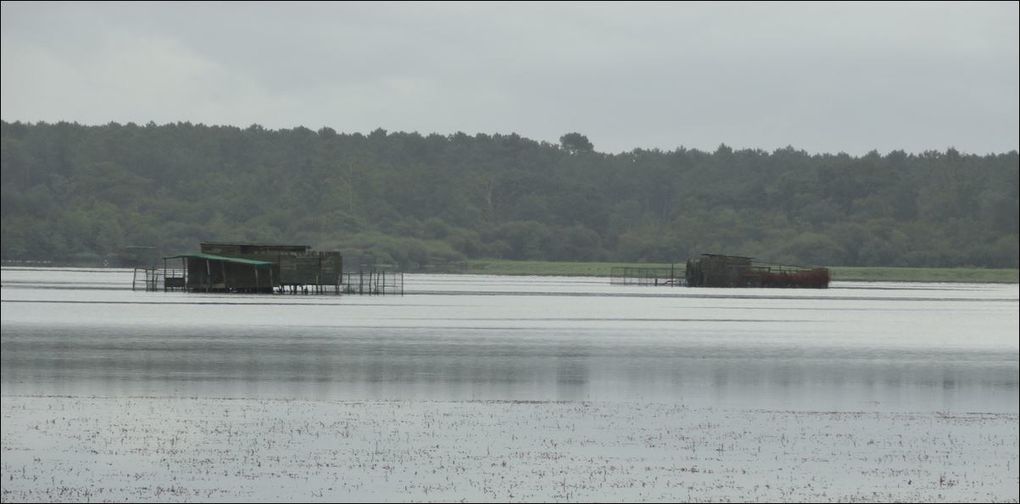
(158, 279)
(372, 282)
(646, 276)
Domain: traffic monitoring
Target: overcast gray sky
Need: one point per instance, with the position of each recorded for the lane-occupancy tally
(822, 77)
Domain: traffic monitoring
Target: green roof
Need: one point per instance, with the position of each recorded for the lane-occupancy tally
(210, 257)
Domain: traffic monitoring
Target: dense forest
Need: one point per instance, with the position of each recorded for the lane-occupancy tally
(86, 194)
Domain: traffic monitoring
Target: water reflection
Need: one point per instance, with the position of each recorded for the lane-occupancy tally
(470, 364)
(855, 346)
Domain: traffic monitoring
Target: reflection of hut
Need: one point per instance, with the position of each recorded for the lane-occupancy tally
(244, 267)
(714, 270)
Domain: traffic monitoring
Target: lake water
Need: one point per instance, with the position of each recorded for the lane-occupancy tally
(854, 346)
(492, 388)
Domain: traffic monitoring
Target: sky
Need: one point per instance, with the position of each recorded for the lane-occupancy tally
(827, 77)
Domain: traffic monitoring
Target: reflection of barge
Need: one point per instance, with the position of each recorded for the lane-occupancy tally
(714, 270)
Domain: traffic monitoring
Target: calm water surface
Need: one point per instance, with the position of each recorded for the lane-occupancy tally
(855, 346)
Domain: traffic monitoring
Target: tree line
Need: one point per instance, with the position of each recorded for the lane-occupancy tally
(84, 194)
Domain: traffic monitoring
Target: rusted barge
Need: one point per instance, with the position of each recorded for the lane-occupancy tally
(716, 270)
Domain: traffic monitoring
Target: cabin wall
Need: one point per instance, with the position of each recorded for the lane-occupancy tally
(250, 251)
(292, 265)
(322, 268)
(219, 276)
